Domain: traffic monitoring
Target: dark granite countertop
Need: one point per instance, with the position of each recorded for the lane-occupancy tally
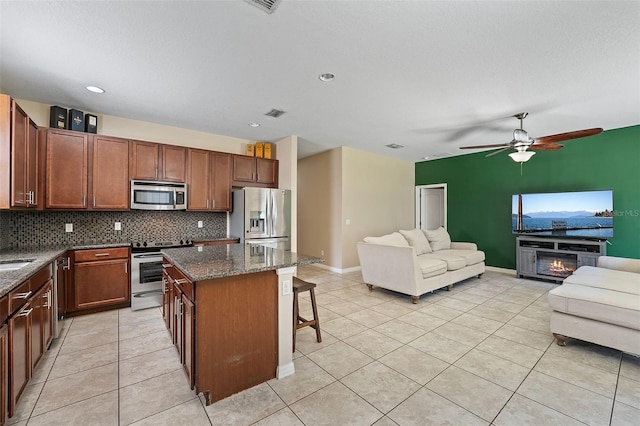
(203, 263)
(38, 257)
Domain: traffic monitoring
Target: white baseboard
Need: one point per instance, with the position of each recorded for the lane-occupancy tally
(283, 371)
(501, 270)
(338, 270)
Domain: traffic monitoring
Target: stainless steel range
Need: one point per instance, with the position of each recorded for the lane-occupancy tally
(146, 272)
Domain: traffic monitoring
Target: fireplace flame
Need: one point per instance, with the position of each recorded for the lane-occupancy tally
(559, 268)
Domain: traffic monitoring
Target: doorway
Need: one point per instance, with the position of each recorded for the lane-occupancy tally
(431, 206)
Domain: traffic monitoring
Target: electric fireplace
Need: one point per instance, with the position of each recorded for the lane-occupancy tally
(556, 264)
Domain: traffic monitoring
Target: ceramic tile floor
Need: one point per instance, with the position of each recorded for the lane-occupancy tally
(479, 354)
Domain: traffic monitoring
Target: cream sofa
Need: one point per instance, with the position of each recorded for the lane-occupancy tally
(418, 261)
(600, 305)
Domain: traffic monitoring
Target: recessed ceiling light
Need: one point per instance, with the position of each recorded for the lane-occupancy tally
(327, 76)
(394, 146)
(95, 89)
(254, 124)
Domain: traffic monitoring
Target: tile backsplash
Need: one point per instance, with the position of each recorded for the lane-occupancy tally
(36, 228)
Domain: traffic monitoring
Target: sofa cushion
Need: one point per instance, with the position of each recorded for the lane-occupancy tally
(417, 240)
(599, 304)
(471, 257)
(439, 239)
(394, 239)
(430, 266)
(621, 281)
(453, 262)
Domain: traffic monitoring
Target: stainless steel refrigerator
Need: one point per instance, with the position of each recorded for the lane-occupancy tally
(262, 216)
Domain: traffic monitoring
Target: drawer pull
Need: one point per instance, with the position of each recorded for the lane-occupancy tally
(166, 265)
(22, 295)
(182, 281)
(25, 313)
(101, 254)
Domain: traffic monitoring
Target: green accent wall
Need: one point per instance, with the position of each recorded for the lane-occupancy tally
(479, 189)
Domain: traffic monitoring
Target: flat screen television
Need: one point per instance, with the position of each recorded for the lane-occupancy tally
(585, 214)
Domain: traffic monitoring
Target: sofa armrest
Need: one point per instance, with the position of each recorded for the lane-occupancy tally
(619, 263)
(390, 267)
(464, 246)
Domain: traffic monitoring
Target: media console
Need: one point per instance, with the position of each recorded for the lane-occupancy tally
(555, 258)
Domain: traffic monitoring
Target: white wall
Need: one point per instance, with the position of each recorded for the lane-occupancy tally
(287, 155)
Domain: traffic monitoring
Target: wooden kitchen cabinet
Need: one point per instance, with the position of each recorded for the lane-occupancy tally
(41, 322)
(74, 182)
(209, 180)
(67, 155)
(18, 156)
(255, 171)
(160, 162)
(19, 355)
(4, 373)
(110, 185)
(100, 279)
(167, 299)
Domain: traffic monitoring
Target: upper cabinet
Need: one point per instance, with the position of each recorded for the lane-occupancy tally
(209, 180)
(86, 171)
(18, 157)
(255, 171)
(153, 161)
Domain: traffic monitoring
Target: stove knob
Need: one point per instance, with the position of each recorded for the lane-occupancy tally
(181, 242)
(137, 244)
(144, 244)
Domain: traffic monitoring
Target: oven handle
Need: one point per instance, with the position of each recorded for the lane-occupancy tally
(142, 256)
(148, 293)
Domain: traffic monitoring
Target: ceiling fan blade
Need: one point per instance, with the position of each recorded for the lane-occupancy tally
(491, 154)
(568, 136)
(546, 147)
(497, 145)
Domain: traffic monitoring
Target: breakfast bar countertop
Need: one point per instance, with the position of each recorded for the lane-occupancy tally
(209, 262)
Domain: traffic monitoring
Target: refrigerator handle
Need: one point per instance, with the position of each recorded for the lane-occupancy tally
(271, 219)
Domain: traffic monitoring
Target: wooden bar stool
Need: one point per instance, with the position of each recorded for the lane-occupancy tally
(299, 322)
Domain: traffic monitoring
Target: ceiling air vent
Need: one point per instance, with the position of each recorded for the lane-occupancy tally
(394, 146)
(275, 113)
(268, 6)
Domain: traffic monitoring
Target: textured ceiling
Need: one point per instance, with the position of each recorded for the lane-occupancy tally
(429, 75)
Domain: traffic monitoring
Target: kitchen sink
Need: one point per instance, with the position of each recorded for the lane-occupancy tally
(14, 265)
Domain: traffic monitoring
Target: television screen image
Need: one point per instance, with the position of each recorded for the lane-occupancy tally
(586, 214)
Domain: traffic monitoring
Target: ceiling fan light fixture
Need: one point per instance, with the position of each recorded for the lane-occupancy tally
(521, 156)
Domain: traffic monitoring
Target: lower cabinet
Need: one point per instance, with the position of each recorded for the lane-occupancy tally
(100, 279)
(4, 373)
(19, 355)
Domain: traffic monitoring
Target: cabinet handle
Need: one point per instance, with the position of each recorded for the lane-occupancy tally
(84, 200)
(25, 313)
(214, 204)
(94, 201)
(49, 297)
(156, 173)
(101, 254)
(22, 295)
(67, 264)
(207, 203)
(166, 265)
(180, 281)
(126, 268)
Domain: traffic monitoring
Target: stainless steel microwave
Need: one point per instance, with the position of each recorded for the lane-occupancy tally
(147, 195)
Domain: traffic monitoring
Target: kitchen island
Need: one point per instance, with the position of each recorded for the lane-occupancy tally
(229, 311)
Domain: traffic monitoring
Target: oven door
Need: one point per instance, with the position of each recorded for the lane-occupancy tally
(146, 280)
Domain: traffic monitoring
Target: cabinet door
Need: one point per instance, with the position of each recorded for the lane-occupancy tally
(144, 160)
(4, 373)
(19, 355)
(110, 173)
(32, 165)
(244, 168)
(36, 328)
(67, 161)
(527, 262)
(221, 181)
(198, 197)
(101, 283)
(19, 131)
(177, 319)
(174, 163)
(267, 171)
(188, 342)
(167, 300)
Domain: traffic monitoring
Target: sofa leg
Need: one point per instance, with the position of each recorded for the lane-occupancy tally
(449, 287)
(370, 287)
(414, 299)
(479, 275)
(560, 339)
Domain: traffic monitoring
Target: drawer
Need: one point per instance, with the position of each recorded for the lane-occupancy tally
(101, 254)
(40, 278)
(19, 295)
(183, 283)
(4, 309)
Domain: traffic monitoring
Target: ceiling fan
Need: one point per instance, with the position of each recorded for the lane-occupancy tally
(522, 142)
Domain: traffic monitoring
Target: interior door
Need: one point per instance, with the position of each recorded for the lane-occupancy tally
(431, 206)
